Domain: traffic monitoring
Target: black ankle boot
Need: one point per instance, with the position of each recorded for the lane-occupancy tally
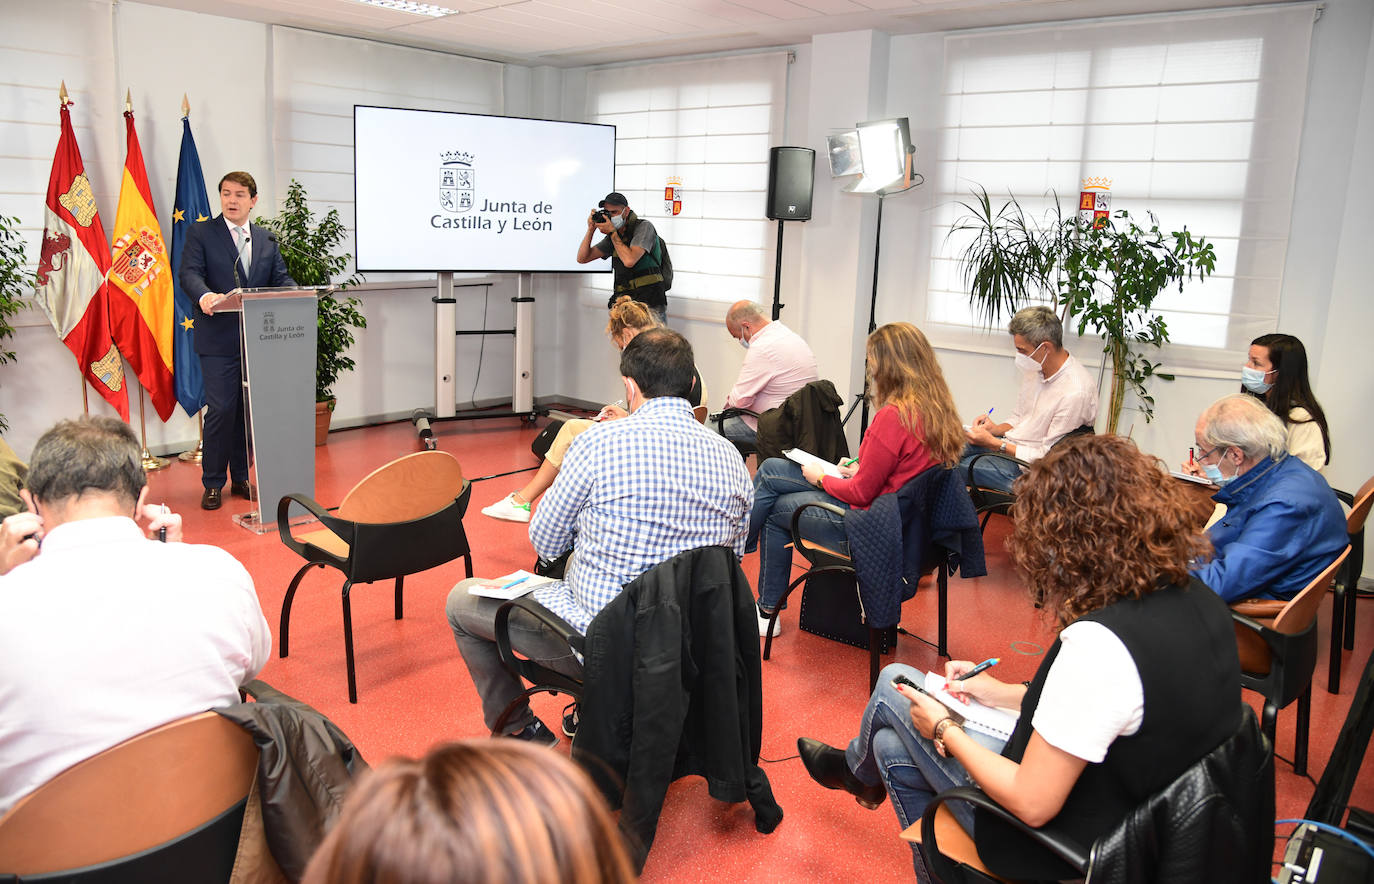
(827, 766)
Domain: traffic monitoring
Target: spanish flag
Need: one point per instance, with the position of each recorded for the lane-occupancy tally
(141, 282)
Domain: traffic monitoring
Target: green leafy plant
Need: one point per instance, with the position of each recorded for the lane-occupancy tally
(310, 252)
(1106, 275)
(15, 280)
(1113, 271)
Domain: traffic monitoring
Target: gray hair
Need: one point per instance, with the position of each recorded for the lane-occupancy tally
(745, 311)
(87, 454)
(1037, 325)
(1244, 422)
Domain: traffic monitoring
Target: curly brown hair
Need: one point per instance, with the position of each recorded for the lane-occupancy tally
(1098, 521)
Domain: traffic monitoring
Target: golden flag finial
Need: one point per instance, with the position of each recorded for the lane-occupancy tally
(62, 96)
(129, 101)
(185, 106)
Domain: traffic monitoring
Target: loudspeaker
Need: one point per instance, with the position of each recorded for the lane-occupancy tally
(791, 179)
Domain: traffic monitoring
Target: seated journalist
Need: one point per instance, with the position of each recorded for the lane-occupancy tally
(1283, 523)
(777, 363)
(1057, 396)
(104, 632)
(1091, 742)
(632, 493)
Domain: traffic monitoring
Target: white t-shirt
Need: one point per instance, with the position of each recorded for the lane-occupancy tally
(107, 634)
(1092, 694)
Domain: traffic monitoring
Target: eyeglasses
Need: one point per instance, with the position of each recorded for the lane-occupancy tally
(1203, 455)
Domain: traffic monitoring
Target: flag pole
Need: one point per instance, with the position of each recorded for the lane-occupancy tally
(63, 99)
(194, 455)
(150, 463)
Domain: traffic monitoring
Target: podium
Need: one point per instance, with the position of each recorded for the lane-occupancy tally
(277, 350)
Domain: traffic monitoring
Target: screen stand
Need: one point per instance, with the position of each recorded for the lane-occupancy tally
(446, 334)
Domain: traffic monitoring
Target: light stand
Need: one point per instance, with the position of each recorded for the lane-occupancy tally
(873, 296)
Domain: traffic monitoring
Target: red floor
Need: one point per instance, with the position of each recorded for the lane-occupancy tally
(414, 691)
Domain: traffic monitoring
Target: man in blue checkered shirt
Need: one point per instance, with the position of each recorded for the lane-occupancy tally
(631, 493)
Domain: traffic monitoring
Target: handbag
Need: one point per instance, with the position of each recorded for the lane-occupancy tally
(830, 608)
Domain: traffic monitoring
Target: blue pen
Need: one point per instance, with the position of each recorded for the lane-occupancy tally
(990, 411)
(979, 669)
(516, 582)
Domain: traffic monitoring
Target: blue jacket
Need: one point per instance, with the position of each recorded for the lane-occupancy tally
(1283, 525)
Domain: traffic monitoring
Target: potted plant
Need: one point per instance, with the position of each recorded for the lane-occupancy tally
(1107, 275)
(14, 282)
(309, 250)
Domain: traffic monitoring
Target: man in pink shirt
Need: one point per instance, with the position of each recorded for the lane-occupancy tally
(777, 363)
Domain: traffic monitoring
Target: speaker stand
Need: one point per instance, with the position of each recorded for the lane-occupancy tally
(777, 275)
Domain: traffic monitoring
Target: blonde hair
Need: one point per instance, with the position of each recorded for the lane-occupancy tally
(627, 314)
(475, 811)
(906, 375)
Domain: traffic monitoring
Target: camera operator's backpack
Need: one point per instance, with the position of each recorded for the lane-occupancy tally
(664, 262)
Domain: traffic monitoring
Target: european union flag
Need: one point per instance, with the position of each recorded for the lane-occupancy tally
(191, 205)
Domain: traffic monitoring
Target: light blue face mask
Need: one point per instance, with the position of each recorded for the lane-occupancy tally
(1213, 472)
(743, 343)
(1252, 379)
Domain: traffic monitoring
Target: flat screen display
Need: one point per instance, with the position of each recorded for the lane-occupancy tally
(444, 191)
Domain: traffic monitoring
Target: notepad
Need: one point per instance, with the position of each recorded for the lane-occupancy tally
(977, 716)
(502, 588)
(1188, 477)
(806, 457)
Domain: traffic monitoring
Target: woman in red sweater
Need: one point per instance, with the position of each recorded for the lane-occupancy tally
(916, 427)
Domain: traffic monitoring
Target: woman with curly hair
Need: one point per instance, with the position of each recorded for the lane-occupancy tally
(1142, 681)
(915, 428)
(481, 811)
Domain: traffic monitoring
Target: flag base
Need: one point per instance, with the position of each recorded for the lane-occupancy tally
(152, 463)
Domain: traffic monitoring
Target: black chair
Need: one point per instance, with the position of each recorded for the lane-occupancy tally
(1347, 579)
(542, 679)
(987, 501)
(719, 419)
(1277, 643)
(1213, 824)
(403, 518)
(166, 805)
(824, 561)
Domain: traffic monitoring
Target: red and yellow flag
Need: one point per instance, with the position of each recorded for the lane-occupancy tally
(71, 271)
(140, 276)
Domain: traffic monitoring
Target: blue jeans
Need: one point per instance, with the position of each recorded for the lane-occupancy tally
(779, 490)
(736, 430)
(992, 472)
(889, 749)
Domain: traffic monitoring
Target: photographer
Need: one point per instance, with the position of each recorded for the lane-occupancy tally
(632, 245)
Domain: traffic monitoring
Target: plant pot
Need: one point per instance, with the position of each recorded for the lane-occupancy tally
(323, 410)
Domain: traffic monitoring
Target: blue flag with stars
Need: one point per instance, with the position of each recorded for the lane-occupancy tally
(191, 205)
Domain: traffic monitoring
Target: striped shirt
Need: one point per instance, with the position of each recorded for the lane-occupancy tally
(633, 493)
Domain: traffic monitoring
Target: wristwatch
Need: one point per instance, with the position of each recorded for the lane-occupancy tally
(1003, 449)
(939, 736)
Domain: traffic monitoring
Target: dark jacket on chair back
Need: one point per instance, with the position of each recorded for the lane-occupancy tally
(673, 687)
(809, 419)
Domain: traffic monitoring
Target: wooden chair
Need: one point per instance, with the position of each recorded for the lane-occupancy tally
(166, 805)
(1343, 605)
(1277, 643)
(404, 518)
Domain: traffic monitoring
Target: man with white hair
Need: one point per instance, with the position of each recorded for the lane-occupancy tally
(1283, 523)
(777, 363)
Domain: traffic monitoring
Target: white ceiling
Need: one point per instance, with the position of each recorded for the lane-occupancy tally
(570, 33)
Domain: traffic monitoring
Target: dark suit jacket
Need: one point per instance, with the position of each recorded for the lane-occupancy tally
(209, 263)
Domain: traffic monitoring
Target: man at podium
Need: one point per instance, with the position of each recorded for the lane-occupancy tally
(225, 253)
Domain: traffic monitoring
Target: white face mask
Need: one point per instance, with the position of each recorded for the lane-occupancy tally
(617, 221)
(1026, 361)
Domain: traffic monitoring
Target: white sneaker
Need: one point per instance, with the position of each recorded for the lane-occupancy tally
(506, 508)
(763, 627)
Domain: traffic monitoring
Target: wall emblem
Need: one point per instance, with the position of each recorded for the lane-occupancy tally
(456, 181)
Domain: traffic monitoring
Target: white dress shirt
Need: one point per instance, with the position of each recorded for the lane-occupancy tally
(107, 634)
(777, 364)
(1048, 408)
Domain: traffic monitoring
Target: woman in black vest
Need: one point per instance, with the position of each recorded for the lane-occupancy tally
(1142, 681)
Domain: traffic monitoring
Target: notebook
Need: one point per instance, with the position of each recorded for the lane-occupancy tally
(511, 586)
(806, 457)
(985, 719)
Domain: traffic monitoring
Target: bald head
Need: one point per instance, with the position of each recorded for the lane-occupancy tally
(744, 319)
